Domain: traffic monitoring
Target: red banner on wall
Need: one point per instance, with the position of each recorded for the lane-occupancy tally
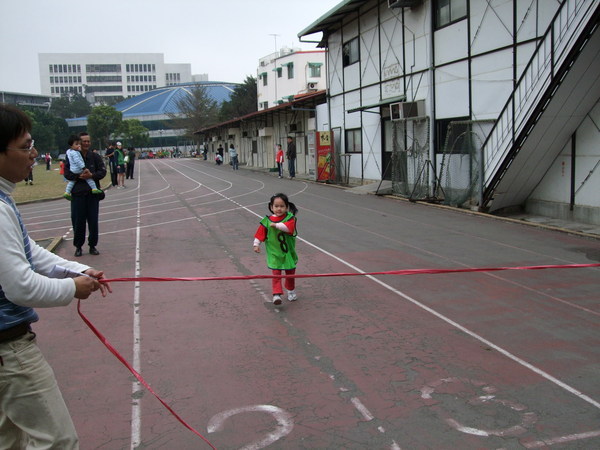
(325, 166)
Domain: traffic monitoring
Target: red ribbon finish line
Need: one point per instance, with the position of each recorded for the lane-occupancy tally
(353, 274)
(139, 377)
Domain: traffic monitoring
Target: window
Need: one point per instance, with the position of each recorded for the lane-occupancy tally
(264, 79)
(354, 141)
(102, 68)
(350, 52)
(279, 72)
(454, 133)
(103, 78)
(314, 70)
(449, 11)
(290, 71)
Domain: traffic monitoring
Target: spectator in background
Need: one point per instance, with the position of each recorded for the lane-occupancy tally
(233, 157)
(120, 164)
(48, 159)
(110, 154)
(291, 156)
(279, 160)
(130, 163)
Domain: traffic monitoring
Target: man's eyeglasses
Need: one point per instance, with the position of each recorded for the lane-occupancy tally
(29, 147)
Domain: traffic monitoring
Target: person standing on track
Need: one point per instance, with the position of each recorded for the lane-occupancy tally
(278, 232)
(33, 413)
(291, 157)
(120, 163)
(279, 160)
(85, 207)
(233, 157)
(130, 163)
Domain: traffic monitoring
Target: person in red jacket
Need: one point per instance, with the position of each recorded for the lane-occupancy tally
(279, 160)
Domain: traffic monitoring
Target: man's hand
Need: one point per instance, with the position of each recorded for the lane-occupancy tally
(86, 174)
(84, 286)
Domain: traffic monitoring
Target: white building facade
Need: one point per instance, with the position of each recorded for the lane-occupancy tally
(107, 76)
(287, 73)
(483, 103)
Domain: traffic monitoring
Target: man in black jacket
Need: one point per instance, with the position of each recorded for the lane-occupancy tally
(85, 206)
(291, 156)
(110, 154)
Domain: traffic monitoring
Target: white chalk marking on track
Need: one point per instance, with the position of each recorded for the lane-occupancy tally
(362, 409)
(562, 439)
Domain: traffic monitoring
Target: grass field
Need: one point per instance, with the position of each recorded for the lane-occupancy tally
(47, 184)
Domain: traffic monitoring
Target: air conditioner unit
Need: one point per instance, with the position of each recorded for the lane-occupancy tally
(404, 3)
(266, 131)
(311, 86)
(406, 110)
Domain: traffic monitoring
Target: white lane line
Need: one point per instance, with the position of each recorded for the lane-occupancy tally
(136, 388)
(490, 344)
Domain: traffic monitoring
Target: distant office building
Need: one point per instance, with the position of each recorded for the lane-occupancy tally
(21, 99)
(287, 73)
(108, 76)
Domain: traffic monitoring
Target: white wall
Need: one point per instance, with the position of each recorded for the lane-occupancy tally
(556, 185)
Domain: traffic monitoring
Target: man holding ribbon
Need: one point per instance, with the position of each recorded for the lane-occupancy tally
(33, 413)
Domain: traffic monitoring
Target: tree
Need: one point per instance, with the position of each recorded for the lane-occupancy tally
(50, 133)
(69, 107)
(243, 101)
(102, 122)
(196, 111)
(134, 133)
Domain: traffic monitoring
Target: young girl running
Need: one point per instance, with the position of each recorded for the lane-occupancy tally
(278, 232)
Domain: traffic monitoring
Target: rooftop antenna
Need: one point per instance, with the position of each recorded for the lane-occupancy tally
(274, 37)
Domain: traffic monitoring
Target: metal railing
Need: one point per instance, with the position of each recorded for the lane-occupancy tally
(541, 71)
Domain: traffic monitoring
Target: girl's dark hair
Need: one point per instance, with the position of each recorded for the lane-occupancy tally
(13, 124)
(291, 207)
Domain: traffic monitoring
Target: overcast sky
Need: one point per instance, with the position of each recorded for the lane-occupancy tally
(223, 38)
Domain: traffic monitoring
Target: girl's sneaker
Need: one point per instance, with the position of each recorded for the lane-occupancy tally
(277, 299)
(292, 296)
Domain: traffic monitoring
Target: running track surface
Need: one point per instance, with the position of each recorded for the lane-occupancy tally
(472, 361)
